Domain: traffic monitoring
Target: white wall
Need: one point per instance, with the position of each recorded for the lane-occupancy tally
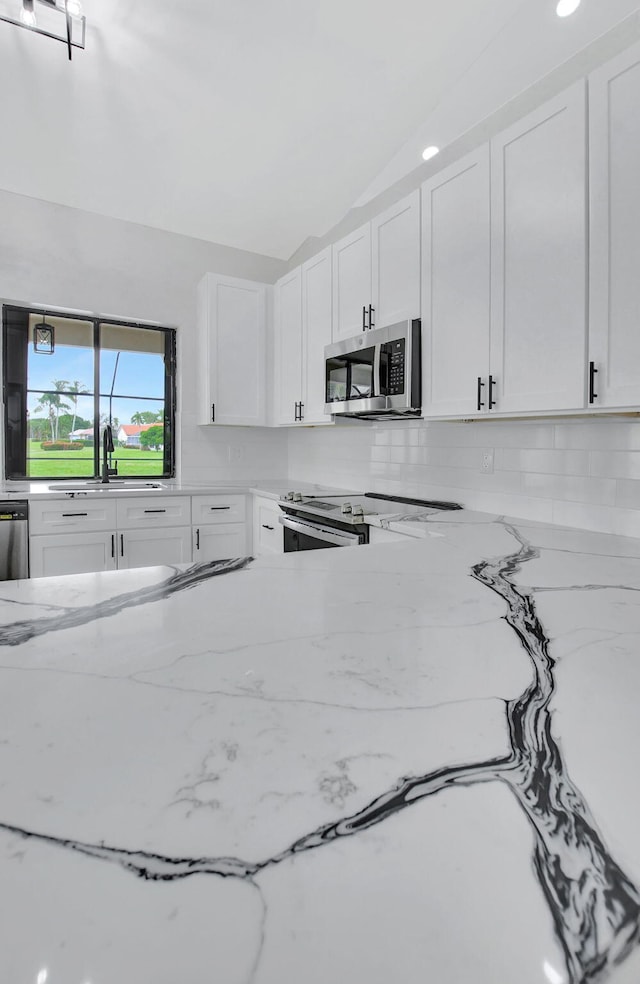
(576, 472)
(51, 255)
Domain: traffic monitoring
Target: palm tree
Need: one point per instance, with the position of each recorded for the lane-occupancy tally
(137, 417)
(52, 404)
(76, 389)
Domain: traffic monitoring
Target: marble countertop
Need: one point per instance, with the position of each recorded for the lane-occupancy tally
(406, 763)
(270, 488)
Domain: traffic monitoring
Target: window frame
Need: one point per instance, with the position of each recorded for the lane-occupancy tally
(15, 324)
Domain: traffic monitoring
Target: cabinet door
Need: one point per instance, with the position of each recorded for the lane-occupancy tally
(222, 542)
(351, 283)
(395, 254)
(456, 290)
(232, 323)
(614, 331)
(538, 330)
(288, 346)
(268, 532)
(148, 548)
(316, 321)
(71, 553)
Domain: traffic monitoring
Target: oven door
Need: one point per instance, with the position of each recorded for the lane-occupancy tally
(302, 534)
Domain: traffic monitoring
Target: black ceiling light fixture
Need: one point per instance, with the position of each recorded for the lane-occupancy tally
(61, 20)
(44, 337)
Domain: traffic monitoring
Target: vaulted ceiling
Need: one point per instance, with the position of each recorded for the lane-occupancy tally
(250, 123)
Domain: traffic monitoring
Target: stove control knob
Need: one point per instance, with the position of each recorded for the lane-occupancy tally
(358, 511)
(297, 496)
(289, 497)
(346, 508)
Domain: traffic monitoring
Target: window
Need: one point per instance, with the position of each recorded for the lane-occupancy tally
(65, 377)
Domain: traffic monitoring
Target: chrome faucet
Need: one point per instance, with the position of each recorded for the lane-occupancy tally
(107, 448)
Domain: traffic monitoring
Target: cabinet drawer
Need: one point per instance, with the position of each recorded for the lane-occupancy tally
(71, 515)
(168, 510)
(218, 509)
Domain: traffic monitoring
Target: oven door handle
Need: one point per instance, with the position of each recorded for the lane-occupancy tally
(336, 537)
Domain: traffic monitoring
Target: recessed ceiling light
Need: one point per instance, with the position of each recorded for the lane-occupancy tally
(429, 152)
(567, 7)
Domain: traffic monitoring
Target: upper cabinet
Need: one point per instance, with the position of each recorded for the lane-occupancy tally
(539, 258)
(504, 282)
(302, 310)
(456, 286)
(614, 155)
(232, 330)
(376, 271)
(287, 309)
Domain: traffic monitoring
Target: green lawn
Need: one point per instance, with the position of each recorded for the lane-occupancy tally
(130, 462)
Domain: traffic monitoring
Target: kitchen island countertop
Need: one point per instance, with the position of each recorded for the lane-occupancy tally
(413, 762)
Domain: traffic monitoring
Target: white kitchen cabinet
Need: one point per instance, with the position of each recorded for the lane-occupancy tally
(71, 553)
(288, 347)
(302, 329)
(108, 534)
(351, 283)
(614, 158)
(219, 529)
(316, 334)
(376, 271)
(395, 262)
(538, 258)
(219, 542)
(232, 352)
(456, 286)
(151, 547)
(268, 532)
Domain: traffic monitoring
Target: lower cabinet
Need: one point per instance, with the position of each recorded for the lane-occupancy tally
(148, 548)
(268, 532)
(219, 529)
(71, 553)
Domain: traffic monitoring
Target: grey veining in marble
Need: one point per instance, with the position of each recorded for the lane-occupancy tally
(458, 634)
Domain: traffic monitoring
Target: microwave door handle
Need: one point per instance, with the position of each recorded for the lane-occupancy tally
(377, 382)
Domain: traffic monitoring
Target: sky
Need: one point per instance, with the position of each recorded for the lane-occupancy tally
(138, 374)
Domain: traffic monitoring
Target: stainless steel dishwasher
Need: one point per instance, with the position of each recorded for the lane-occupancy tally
(14, 540)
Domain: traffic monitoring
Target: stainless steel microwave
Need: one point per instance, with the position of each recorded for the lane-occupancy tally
(376, 375)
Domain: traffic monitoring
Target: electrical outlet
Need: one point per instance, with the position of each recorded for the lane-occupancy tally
(487, 461)
(235, 454)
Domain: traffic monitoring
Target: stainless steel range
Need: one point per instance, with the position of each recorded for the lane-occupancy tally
(314, 522)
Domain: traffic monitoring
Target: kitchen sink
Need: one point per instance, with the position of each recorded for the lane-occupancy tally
(110, 486)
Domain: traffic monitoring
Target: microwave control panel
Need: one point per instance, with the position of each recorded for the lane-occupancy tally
(394, 353)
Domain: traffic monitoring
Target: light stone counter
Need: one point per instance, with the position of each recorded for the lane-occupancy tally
(409, 763)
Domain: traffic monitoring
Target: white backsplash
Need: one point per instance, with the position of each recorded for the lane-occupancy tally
(231, 454)
(575, 472)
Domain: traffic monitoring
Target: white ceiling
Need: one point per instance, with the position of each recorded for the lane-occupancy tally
(250, 123)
